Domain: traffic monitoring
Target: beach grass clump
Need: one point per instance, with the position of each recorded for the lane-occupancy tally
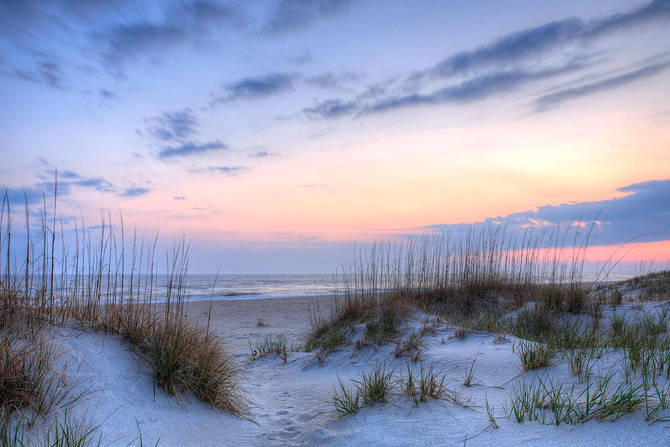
(381, 328)
(412, 345)
(380, 384)
(347, 400)
(183, 357)
(269, 346)
(28, 379)
(431, 384)
(533, 323)
(534, 355)
(375, 385)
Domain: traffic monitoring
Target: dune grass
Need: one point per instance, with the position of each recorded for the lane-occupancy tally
(381, 384)
(110, 284)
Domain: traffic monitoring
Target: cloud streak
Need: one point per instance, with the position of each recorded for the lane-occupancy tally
(256, 87)
(508, 64)
(533, 42)
(174, 126)
(294, 15)
(555, 99)
(191, 149)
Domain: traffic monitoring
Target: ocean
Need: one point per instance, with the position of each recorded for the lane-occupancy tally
(227, 287)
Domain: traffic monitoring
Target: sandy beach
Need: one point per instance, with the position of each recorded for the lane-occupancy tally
(291, 402)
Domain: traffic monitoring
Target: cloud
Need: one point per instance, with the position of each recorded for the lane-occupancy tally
(330, 109)
(18, 196)
(508, 64)
(555, 99)
(263, 154)
(333, 81)
(46, 188)
(134, 192)
(643, 213)
(174, 126)
(191, 149)
(226, 170)
(293, 15)
(533, 42)
(179, 198)
(47, 72)
(475, 89)
(97, 183)
(256, 87)
(181, 22)
(106, 94)
(129, 41)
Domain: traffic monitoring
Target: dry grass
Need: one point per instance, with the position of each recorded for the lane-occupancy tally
(110, 284)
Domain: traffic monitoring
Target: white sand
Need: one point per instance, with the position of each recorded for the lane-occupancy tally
(291, 402)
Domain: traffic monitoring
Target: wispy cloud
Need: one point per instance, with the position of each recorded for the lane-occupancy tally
(532, 43)
(225, 170)
(293, 15)
(556, 98)
(643, 213)
(182, 198)
(134, 192)
(107, 94)
(331, 108)
(181, 22)
(508, 64)
(263, 154)
(477, 88)
(256, 87)
(47, 72)
(174, 126)
(191, 149)
(330, 80)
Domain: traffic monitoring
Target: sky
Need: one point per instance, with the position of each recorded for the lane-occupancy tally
(277, 136)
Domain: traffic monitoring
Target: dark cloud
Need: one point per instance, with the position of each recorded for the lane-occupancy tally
(555, 99)
(330, 109)
(47, 72)
(129, 41)
(643, 213)
(475, 89)
(256, 87)
(508, 64)
(533, 42)
(263, 154)
(293, 15)
(182, 22)
(134, 192)
(191, 149)
(176, 126)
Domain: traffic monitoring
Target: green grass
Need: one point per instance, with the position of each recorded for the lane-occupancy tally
(270, 346)
(534, 355)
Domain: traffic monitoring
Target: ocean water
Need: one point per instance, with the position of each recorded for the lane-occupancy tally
(202, 287)
(233, 287)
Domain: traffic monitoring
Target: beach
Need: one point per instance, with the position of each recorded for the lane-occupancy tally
(291, 402)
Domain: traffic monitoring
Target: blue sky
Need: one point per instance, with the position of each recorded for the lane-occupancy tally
(277, 134)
